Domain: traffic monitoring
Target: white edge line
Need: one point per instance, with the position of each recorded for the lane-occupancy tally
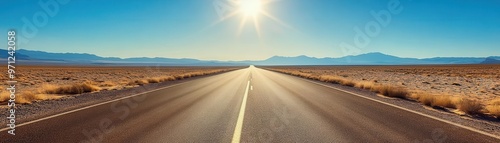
(90, 106)
(241, 116)
(395, 106)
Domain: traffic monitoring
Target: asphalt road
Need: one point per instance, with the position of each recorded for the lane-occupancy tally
(276, 108)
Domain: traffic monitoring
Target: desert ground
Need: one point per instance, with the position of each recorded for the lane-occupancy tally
(53, 82)
(473, 89)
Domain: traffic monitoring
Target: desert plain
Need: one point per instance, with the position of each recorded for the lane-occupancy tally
(473, 89)
(35, 83)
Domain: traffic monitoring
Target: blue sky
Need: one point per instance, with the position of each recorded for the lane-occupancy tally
(190, 28)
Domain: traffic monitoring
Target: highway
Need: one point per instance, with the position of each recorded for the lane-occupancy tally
(247, 105)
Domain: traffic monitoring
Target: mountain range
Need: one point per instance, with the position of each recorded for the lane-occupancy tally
(39, 58)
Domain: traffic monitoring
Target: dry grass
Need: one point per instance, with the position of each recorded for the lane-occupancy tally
(78, 88)
(107, 84)
(471, 107)
(138, 82)
(445, 101)
(466, 105)
(336, 80)
(4, 96)
(391, 91)
(168, 78)
(365, 84)
(27, 97)
(179, 77)
(154, 80)
(425, 99)
(493, 108)
(387, 90)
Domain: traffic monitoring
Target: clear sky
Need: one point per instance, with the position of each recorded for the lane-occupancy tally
(194, 29)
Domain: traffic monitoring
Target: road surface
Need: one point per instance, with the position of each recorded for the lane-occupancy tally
(274, 108)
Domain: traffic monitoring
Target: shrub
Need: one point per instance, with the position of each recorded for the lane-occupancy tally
(108, 84)
(27, 97)
(138, 82)
(471, 107)
(391, 91)
(69, 89)
(424, 98)
(4, 96)
(166, 78)
(330, 79)
(493, 107)
(179, 77)
(153, 80)
(443, 101)
(364, 85)
(347, 82)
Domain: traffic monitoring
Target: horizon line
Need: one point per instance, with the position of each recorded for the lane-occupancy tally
(260, 59)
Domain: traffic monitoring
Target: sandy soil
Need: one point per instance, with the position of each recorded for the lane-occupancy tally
(480, 82)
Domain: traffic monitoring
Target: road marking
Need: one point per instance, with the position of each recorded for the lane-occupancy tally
(412, 111)
(87, 107)
(239, 122)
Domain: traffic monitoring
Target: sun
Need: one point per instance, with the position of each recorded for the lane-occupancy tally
(250, 11)
(250, 7)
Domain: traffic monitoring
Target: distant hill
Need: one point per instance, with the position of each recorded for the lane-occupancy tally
(454, 60)
(366, 59)
(378, 59)
(19, 56)
(491, 60)
(31, 57)
(280, 60)
(41, 57)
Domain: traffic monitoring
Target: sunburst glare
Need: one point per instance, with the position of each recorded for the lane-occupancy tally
(251, 11)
